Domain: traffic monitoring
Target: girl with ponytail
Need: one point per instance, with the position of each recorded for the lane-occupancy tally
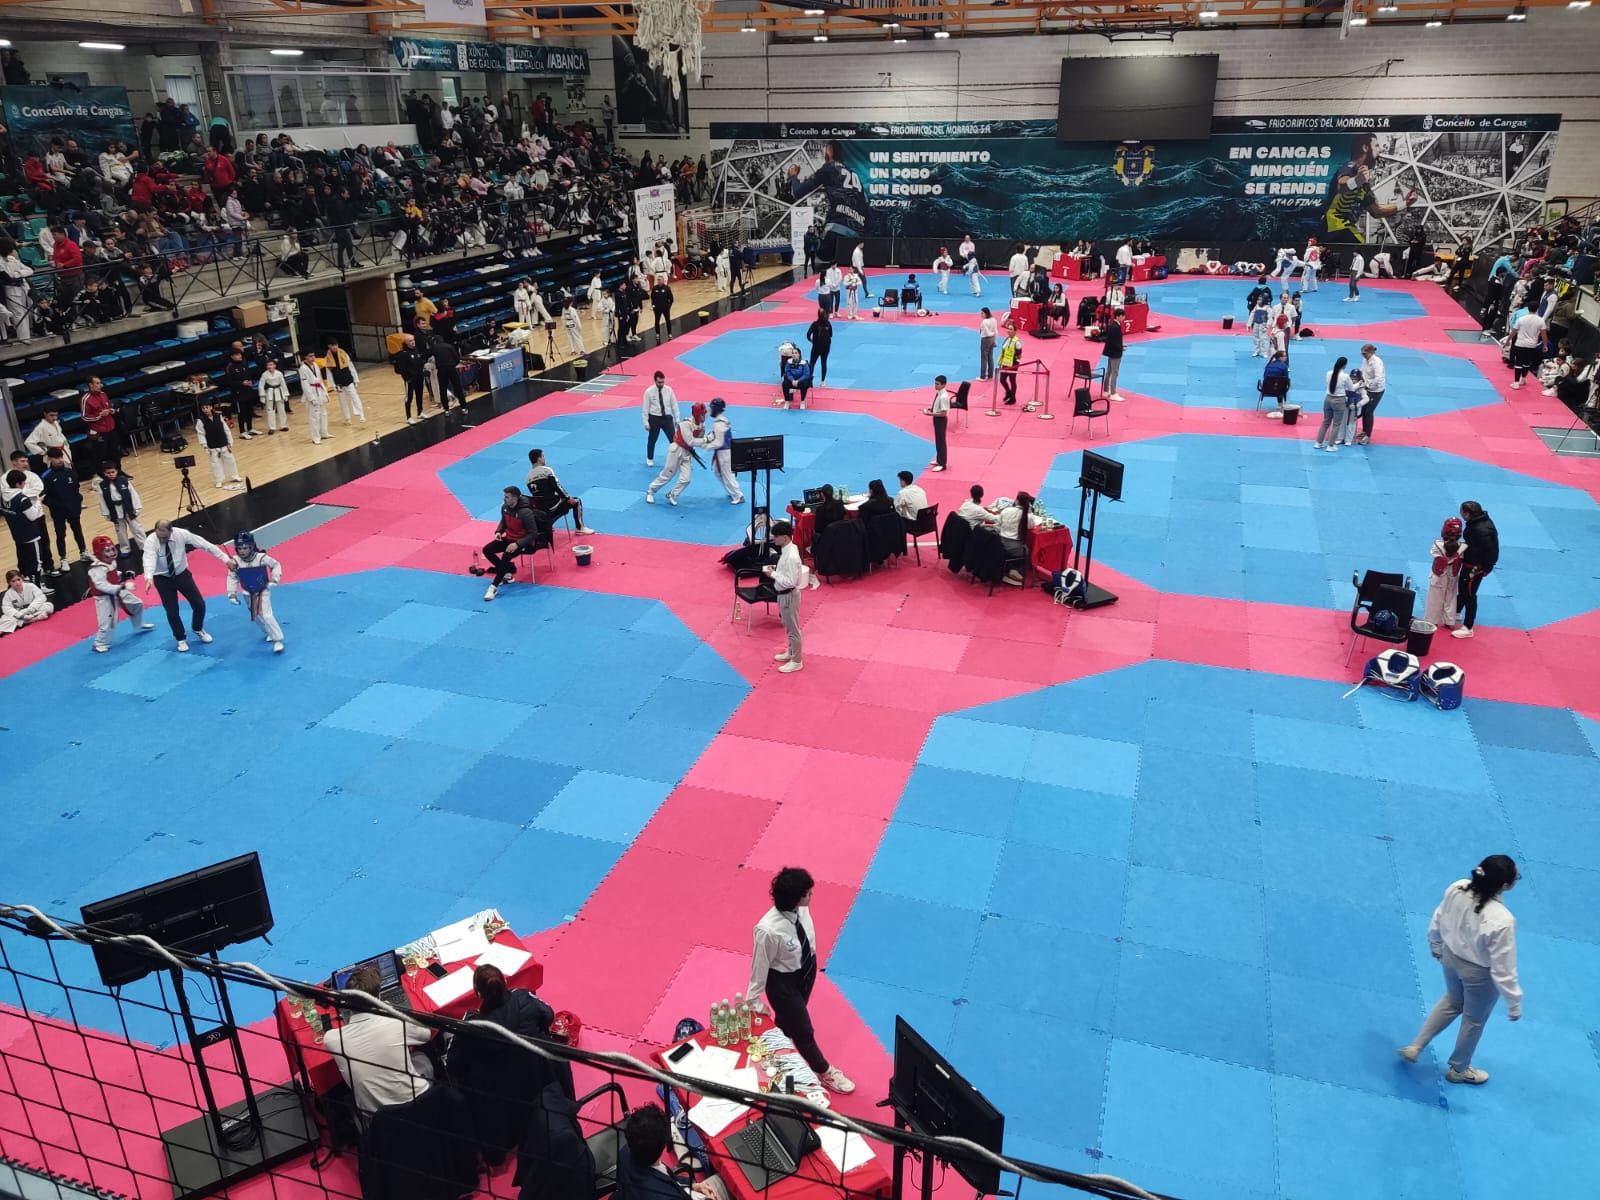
(1474, 937)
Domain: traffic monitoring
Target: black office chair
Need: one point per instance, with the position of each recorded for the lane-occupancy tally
(987, 558)
(556, 1162)
(751, 586)
(953, 540)
(544, 539)
(1083, 405)
(424, 1149)
(959, 403)
(926, 521)
(886, 538)
(1380, 591)
(1084, 373)
(890, 299)
(1275, 389)
(841, 549)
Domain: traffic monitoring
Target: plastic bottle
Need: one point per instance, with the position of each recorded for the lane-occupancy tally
(743, 1022)
(724, 1024)
(711, 1023)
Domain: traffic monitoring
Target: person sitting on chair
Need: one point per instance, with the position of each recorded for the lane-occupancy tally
(911, 499)
(1277, 368)
(828, 510)
(911, 295)
(796, 378)
(517, 533)
(376, 1055)
(555, 503)
(641, 1175)
(878, 502)
(972, 510)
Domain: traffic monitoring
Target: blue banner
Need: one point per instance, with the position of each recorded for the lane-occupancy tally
(434, 54)
(94, 116)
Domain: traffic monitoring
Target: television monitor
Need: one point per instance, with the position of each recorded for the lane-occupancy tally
(1101, 474)
(195, 913)
(1145, 97)
(756, 454)
(935, 1101)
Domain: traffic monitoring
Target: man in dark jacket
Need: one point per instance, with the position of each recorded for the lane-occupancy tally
(661, 303)
(518, 533)
(645, 1136)
(1478, 559)
(412, 368)
(446, 358)
(1262, 291)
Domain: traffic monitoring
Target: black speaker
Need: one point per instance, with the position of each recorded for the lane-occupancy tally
(756, 454)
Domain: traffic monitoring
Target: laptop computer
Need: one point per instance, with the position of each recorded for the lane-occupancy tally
(771, 1149)
(387, 965)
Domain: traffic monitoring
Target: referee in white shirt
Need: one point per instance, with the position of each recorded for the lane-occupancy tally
(939, 410)
(166, 564)
(783, 966)
(1474, 937)
(787, 575)
(660, 414)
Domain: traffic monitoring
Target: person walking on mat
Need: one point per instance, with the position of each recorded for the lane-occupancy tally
(939, 410)
(783, 965)
(1474, 937)
(820, 335)
(787, 575)
(166, 564)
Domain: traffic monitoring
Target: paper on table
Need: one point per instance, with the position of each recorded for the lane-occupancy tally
(509, 959)
(461, 940)
(845, 1150)
(452, 987)
(715, 1064)
(712, 1116)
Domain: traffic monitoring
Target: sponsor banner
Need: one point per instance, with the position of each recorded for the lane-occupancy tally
(1270, 179)
(801, 218)
(434, 54)
(95, 116)
(655, 218)
(648, 104)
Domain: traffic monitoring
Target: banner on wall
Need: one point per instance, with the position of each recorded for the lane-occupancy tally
(434, 54)
(655, 217)
(646, 105)
(801, 218)
(1277, 179)
(94, 116)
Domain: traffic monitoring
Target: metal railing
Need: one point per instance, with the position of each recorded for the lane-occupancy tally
(100, 1084)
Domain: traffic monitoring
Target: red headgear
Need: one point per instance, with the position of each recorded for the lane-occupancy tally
(1452, 528)
(105, 549)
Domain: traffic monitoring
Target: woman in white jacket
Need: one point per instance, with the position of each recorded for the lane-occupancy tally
(1474, 937)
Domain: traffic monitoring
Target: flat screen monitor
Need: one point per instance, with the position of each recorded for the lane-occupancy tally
(935, 1101)
(756, 454)
(1146, 97)
(196, 913)
(1101, 474)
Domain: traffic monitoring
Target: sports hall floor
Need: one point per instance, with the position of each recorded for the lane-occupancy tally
(1143, 873)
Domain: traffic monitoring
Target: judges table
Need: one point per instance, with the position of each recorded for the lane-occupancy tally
(1067, 267)
(845, 1166)
(304, 1045)
(1135, 317)
(804, 520)
(1141, 272)
(1050, 548)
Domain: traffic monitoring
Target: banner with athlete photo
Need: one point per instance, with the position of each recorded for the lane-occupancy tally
(1267, 179)
(94, 116)
(655, 218)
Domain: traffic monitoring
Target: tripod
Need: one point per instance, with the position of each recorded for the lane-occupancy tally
(188, 499)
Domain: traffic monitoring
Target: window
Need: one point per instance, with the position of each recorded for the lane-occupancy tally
(450, 89)
(182, 90)
(267, 102)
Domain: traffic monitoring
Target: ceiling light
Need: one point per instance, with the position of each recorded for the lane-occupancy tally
(1577, 3)
(819, 37)
(1433, 24)
(1208, 14)
(1388, 8)
(941, 33)
(813, 12)
(899, 41)
(1356, 22)
(101, 46)
(747, 29)
(896, 24)
(5, 41)
(287, 53)
(1517, 14)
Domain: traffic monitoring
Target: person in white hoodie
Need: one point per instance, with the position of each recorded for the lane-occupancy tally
(1474, 937)
(273, 389)
(315, 393)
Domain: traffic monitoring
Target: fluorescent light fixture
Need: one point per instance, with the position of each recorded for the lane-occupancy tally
(899, 41)
(819, 37)
(1388, 8)
(1577, 3)
(941, 33)
(1433, 24)
(287, 53)
(896, 24)
(1208, 14)
(747, 29)
(813, 12)
(1356, 22)
(101, 46)
(4, 42)
(1517, 14)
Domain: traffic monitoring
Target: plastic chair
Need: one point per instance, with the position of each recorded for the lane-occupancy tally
(890, 299)
(1381, 591)
(926, 521)
(959, 403)
(1083, 405)
(1276, 388)
(751, 587)
(1083, 370)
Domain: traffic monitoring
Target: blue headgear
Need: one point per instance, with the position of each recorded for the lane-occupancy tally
(244, 543)
(718, 406)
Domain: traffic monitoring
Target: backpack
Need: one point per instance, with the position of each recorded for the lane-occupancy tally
(174, 443)
(1066, 587)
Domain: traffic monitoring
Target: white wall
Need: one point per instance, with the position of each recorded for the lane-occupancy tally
(1545, 64)
(135, 69)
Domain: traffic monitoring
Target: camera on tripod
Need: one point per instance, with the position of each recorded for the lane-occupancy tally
(183, 462)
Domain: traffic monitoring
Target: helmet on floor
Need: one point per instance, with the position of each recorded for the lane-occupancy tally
(105, 548)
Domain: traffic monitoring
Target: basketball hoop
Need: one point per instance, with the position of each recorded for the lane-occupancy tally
(669, 32)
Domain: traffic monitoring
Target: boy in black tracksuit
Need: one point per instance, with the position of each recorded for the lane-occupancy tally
(64, 502)
(236, 378)
(661, 303)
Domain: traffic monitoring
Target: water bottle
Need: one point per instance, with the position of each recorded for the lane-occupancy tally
(724, 1023)
(744, 1022)
(716, 1014)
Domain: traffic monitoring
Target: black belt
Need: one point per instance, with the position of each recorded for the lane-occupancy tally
(784, 591)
